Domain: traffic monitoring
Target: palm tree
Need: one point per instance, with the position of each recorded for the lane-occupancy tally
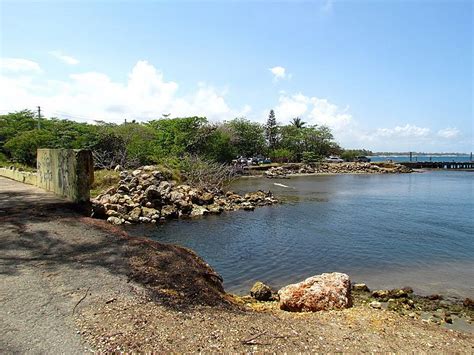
(297, 122)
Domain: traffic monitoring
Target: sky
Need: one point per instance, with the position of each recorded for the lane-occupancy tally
(384, 75)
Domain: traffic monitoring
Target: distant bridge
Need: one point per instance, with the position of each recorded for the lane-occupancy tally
(438, 165)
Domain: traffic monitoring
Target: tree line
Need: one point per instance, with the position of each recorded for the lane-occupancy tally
(165, 140)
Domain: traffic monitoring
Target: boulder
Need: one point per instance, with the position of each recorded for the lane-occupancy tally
(169, 212)
(150, 213)
(382, 294)
(261, 292)
(376, 305)
(114, 220)
(135, 214)
(123, 189)
(360, 288)
(112, 213)
(176, 196)
(164, 187)
(215, 209)
(152, 193)
(468, 303)
(198, 211)
(247, 206)
(207, 198)
(98, 210)
(322, 292)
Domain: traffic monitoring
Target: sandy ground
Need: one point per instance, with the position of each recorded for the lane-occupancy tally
(69, 284)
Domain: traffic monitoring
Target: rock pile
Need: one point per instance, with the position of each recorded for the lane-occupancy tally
(322, 292)
(335, 168)
(146, 196)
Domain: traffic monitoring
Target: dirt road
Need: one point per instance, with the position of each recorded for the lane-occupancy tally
(46, 266)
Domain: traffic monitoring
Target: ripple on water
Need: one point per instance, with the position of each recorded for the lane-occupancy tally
(387, 231)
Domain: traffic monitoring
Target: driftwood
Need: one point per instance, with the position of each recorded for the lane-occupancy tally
(251, 341)
(82, 299)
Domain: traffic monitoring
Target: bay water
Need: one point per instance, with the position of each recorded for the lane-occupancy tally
(384, 230)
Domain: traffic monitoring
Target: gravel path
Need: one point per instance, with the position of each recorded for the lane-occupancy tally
(138, 295)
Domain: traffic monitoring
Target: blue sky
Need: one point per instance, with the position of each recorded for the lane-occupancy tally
(385, 75)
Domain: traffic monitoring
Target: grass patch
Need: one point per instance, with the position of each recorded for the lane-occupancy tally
(19, 166)
(104, 179)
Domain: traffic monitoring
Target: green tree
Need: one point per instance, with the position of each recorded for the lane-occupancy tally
(175, 136)
(351, 154)
(14, 124)
(213, 142)
(139, 140)
(297, 122)
(271, 131)
(247, 137)
(22, 148)
(316, 139)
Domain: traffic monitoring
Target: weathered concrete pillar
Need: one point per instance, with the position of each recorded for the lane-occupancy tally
(66, 172)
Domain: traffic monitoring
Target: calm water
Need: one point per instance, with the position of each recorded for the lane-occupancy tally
(423, 158)
(385, 230)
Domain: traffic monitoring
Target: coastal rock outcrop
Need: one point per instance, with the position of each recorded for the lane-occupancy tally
(322, 292)
(336, 168)
(146, 196)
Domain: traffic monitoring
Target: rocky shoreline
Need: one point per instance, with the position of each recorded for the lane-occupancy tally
(334, 291)
(335, 168)
(145, 195)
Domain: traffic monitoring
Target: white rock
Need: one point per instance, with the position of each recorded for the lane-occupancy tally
(321, 292)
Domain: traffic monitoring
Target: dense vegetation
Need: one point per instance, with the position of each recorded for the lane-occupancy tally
(165, 141)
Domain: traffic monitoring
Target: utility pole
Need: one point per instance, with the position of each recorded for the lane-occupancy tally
(39, 117)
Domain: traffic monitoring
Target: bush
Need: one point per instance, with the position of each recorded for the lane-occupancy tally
(22, 148)
(206, 174)
(281, 155)
(311, 157)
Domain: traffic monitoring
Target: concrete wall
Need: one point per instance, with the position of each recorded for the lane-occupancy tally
(66, 172)
(19, 175)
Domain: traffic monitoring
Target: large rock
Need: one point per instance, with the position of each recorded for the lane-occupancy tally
(169, 212)
(317, 293)
(198, 211)
(114, 220)
(135, 214)
(150, 213)
(261, 292)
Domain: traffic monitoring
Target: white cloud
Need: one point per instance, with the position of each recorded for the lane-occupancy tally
(410, 137)
(449, 133)
(403, 131)
(94, 96)
(349, 132)
(279, 73)
(314, 111)
(64, 58)
(19, 65)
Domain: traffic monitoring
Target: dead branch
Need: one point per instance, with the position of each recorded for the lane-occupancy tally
(251, 341)
(82, 299)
